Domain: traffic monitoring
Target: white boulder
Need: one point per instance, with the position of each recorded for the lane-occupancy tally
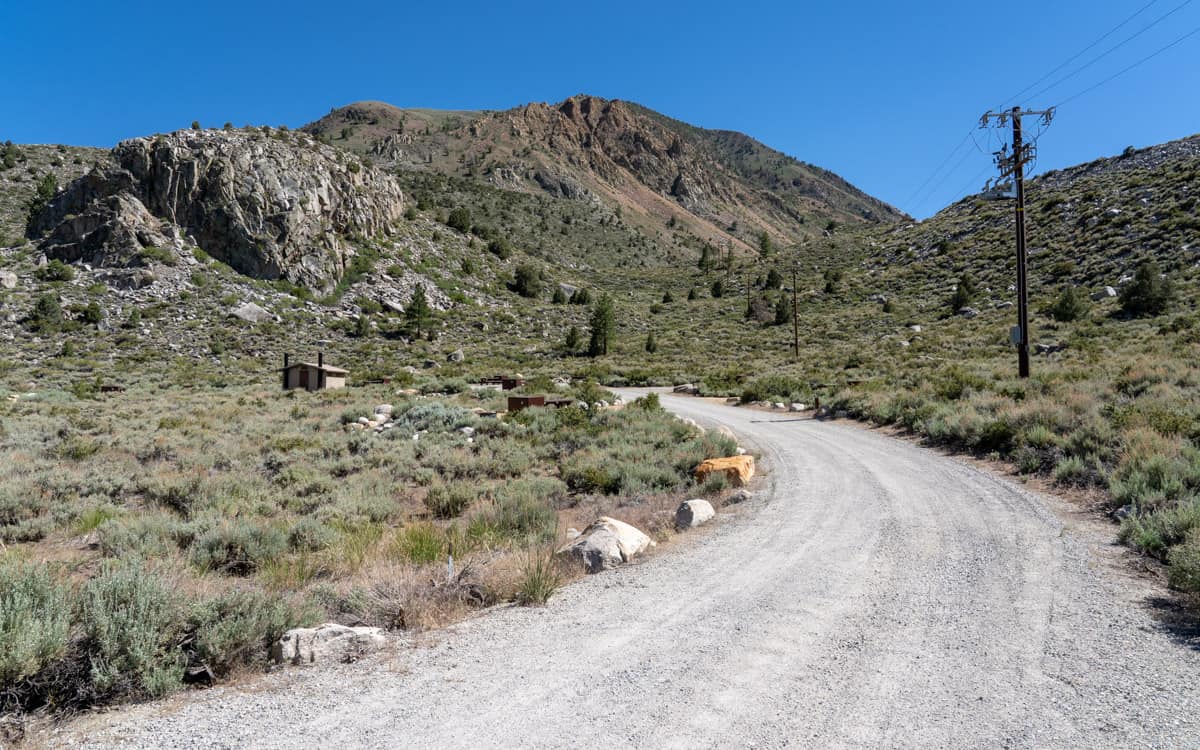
(327, 643)
(606, 543)
(693, 513)
(8, 280)
(252, 313)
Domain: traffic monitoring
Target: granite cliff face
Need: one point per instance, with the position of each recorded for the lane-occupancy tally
(271, 205)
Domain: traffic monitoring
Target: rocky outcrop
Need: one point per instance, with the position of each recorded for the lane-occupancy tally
(269, 205)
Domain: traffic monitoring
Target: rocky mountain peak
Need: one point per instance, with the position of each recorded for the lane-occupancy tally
(271, 204)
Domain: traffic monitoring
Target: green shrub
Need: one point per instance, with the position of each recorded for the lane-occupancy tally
(237, 547)
(964, 293)
(1069, 306)
(55, 270)
(1148, 293)
(47, 315)
(1184, 561)
(154, 254)
(237, 627)
(592, 478)
(527, 281)
(432, 416)
(450, 500)
(311, 535)
(1155, 533)
(501, 248)
(460, 219)
(1077, 471)
(781, 388)
(146, 536)
(35, 620)
(649, 402)
(1028, 459)
(131, 621)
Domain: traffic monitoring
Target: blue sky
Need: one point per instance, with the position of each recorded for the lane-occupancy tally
(880, 92)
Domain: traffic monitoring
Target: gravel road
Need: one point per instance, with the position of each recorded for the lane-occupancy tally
(875, 595)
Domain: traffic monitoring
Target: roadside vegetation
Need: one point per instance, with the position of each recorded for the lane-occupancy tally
(166, 536)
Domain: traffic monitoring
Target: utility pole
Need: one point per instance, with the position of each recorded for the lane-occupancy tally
(747, 280)
(1014, 166)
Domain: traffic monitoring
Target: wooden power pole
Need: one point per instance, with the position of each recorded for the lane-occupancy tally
(1014, 166)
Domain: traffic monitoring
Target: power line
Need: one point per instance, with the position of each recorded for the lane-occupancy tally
(927, 194)
(915, 193)
(1080, 53)
(965, 190)
(1125, 70)
(1112, 49)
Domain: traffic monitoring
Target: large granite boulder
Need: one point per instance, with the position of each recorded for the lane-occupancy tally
(606, 543)
(330, 642)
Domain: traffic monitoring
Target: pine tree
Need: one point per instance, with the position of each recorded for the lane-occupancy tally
(1069, 306)
(783, 311)
(764, 245)
(705, 258)
(1149, 293)
(602, 325)
(964, 292)
(651, 344)
(572, 342)
(527, 281)
(418, 313)
(46, 188)
(667, 298)
(718, 289)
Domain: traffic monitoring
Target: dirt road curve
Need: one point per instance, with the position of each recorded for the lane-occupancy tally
(882, 597)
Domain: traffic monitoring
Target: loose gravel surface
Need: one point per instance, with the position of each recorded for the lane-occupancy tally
(876, 595)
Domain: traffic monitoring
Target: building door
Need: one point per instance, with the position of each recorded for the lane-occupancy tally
(304, 378)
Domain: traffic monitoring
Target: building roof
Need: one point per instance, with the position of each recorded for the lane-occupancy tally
(313, 365)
